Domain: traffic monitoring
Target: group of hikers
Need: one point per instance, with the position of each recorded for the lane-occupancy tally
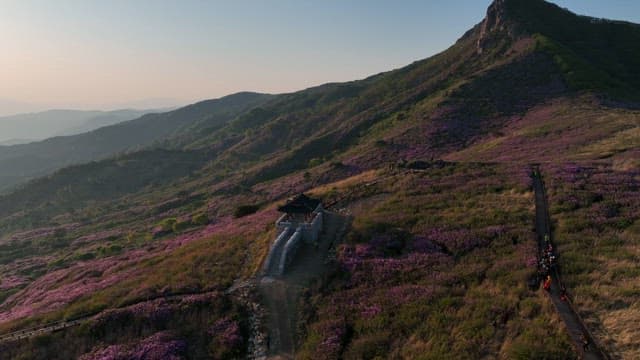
(546, 267)
(547, 264)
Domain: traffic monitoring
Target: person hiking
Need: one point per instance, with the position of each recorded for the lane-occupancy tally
(544, 271)
(563, 294)
(585, 341)
(547, 283)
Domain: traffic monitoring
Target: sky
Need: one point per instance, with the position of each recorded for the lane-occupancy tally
(90, 54)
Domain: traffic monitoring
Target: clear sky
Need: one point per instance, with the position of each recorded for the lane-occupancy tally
(117, 53)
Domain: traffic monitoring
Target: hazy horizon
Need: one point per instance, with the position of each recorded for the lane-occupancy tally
(74, 54)
(10, 107)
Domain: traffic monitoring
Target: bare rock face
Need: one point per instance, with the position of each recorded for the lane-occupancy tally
(496, 22)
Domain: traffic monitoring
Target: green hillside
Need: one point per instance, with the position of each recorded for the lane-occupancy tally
(27, 161)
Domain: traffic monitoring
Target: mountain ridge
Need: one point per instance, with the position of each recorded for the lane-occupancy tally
(450, 98)
(26, 161)
(57, 122)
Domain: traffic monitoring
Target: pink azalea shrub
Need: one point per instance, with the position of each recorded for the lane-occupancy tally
(59, 288)
(160, 346)
(414, 258)
(227, 339)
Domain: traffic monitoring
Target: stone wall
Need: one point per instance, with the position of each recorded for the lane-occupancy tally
(275, 252)
(290, 249)
(310, 230)
(291, 236)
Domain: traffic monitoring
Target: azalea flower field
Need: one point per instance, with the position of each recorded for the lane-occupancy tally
(430, 271)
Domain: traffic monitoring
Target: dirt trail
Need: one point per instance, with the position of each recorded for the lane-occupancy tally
(25, 334)
(280, 295)
(574, 324)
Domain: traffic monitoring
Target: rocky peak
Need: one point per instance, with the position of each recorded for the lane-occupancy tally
(496, 15)
(495, 21)
(502, 20)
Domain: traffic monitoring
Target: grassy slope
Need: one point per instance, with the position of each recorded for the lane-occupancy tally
(578, 128)
(595, 210)
(432, 272)
(23, 162)
(594, 54)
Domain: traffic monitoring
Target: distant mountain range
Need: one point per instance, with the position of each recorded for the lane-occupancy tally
(11, 142)
(24, 161)
(42, 125)
(11, 107)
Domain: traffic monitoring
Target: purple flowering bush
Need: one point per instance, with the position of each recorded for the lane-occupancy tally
(156, 347)
(227, 339)
(173, 270)
(596, 215)
(569, 129)
(196, 261)
(437, 267)
(178, 327)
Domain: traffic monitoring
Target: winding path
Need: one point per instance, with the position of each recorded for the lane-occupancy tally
(45, 329)
(569, 315)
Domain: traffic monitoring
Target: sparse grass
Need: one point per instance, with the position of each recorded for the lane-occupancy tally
(598, 242)
(571, 129)
(621, 141)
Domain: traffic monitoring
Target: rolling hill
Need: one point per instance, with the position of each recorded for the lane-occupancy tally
(26, 161)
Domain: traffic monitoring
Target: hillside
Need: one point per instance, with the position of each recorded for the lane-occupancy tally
(27, 161)
(104, 119)
(438, 261)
